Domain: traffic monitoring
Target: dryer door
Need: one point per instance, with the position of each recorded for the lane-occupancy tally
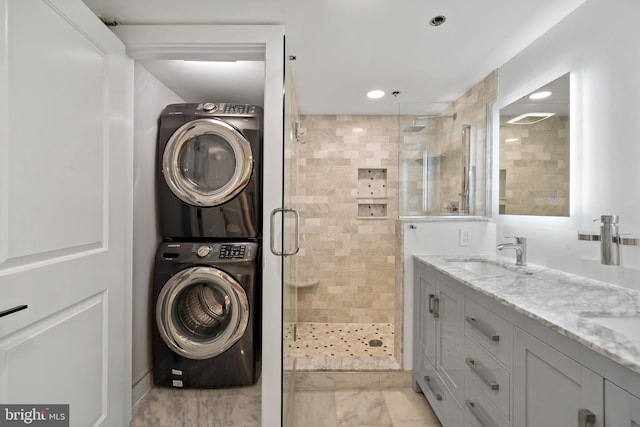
(207, 162)
(201, 312)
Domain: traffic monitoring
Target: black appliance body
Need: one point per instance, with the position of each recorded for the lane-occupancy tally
(206, 321)
(209, 161)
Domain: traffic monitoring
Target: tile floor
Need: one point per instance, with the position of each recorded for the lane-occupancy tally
(341, 381)
(240, 407)
(340, 347)
(362, 408)
(340, 339)
(168, 407)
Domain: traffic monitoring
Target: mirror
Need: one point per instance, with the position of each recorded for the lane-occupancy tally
(534, 152)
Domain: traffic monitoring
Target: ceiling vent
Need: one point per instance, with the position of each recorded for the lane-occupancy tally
(529, 118)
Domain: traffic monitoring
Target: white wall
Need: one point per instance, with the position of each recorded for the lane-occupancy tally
(598, 44)
(435, 236)
(150, 97)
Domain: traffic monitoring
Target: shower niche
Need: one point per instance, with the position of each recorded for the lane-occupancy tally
(443, 160)
(372, 193)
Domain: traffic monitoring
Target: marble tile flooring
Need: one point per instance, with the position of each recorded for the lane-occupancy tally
(342, 380)
(240, 407)
(362, 408)
(170, 407)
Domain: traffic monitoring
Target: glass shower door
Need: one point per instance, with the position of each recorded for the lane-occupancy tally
(290, 245)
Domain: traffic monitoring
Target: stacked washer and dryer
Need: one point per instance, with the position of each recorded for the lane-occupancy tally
(207, 283)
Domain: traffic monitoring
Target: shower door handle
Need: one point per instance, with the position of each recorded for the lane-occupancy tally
(296, 248)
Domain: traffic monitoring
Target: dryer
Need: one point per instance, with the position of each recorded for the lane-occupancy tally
(206, 328)
(209, 160)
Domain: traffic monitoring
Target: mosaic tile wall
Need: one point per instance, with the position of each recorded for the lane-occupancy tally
(351, 257)
(535, 168)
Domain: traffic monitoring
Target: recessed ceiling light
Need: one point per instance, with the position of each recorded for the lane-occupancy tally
(375, 94)
(436, 21)
(540, 95)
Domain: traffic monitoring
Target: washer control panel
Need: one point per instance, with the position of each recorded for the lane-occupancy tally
(222, 109)
(209, 252)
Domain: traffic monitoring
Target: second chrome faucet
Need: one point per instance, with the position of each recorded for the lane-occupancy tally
(520, 246)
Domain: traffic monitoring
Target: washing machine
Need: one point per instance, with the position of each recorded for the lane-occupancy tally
(206, 317)
(209, 171)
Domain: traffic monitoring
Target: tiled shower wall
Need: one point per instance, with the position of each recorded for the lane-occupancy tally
(535, 168)
(439, 148)
(471, 109)
(352, 257)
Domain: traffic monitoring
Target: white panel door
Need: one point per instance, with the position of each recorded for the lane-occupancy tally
(65, 211)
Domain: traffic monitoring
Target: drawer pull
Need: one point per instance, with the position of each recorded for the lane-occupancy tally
(491, 384)
(431, 297)
(491, 335)
(586, 418)
(476, 414)
(436, 307)
(432, 387)
(13, 310)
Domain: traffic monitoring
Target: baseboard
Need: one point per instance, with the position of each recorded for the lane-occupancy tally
(140, 388)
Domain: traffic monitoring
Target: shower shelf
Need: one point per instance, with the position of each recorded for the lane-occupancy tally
(372, 183)
(372, 210)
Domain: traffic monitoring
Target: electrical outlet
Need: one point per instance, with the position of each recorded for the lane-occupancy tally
(463, 238)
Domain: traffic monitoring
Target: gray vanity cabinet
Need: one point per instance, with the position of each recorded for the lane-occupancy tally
(621, 408)
(439, 343)
(551, 389)
(481, 363)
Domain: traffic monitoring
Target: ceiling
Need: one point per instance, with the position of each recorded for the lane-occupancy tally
(344, 48)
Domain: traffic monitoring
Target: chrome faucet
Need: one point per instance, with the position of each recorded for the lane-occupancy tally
(520, 247)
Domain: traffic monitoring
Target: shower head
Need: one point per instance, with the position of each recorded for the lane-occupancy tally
(415, 127)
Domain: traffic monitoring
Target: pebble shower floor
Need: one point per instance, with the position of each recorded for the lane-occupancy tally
(341, 346)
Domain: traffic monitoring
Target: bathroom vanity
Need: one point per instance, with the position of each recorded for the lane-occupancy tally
(500, 345)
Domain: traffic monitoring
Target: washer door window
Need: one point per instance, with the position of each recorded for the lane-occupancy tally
(201, 312)
(207, 162)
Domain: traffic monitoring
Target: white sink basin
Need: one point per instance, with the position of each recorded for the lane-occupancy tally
(488, 269)
(627, 326)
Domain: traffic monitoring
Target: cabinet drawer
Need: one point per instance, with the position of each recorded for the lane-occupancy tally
(492, 380)
(478, 411)
(489, 331)
(445, 406)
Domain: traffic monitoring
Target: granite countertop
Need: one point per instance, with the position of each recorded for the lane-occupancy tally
(564, 302)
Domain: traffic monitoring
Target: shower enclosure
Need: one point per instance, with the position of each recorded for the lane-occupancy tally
(443, 159)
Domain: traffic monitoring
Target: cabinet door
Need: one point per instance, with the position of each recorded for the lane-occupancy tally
(621, 408)
(450, 344)
(429, 318)
(421, 319)
(550, 389)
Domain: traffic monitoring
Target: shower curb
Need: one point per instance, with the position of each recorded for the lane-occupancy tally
(307, 381)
